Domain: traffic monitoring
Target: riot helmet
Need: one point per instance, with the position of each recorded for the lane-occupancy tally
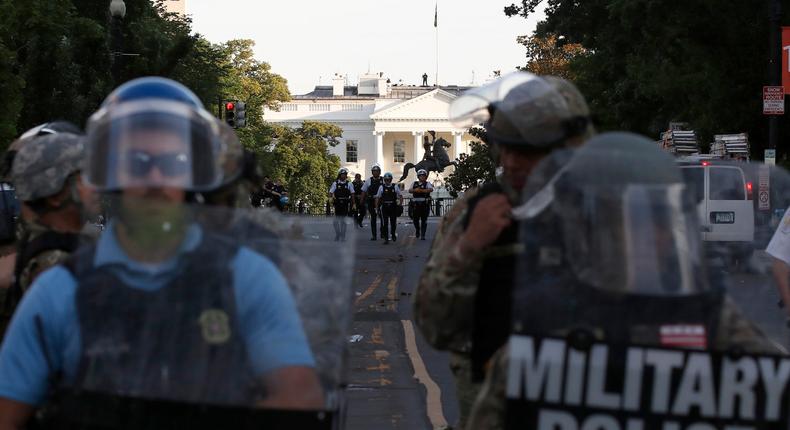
(525, 111)
(154, 132)
(43, 164)
(625, 221)
(422, 172)
(45, 129)
(388, 178)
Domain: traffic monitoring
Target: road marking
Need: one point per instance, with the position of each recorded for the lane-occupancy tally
(369, 291)
(392, 293)
(434, 398)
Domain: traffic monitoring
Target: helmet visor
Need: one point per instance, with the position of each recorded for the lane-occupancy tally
(156, 143)
(638, 239)
(472, 108)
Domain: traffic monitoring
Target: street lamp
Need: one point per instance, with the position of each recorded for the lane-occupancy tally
(117, 12)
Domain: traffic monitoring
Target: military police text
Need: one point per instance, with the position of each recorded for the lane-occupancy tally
(641, 388)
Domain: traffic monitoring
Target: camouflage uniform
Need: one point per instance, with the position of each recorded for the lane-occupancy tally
(489, 407)
(447, 289)
(42, 261)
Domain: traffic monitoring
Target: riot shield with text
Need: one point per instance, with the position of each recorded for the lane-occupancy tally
(206, 317)
(645, 297)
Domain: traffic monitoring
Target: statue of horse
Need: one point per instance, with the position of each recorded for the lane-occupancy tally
(435, 163)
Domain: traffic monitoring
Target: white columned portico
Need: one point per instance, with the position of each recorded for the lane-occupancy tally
(379, 159)
(457, 136)
(419, 150)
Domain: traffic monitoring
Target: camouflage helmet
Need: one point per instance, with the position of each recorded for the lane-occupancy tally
(525, 110)
(42, 165)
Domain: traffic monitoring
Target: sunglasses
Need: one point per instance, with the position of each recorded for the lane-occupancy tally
(171, 164)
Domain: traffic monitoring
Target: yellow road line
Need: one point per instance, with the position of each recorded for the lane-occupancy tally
(434, 398)
(369, 291)
(392, 293)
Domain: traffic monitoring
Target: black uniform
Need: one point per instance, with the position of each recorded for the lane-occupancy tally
(421, 209)
(360, 212)
(342, 204)
(373, 189)
(389, 210)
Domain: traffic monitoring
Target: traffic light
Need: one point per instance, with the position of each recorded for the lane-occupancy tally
(241, 114)
(230, 114)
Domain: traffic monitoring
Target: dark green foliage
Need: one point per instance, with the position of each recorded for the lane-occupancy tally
(650, 62)
(473, 169)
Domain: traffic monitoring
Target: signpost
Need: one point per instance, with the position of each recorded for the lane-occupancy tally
(773, 100)
(763, 192)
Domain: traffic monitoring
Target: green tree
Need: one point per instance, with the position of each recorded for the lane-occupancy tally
(472, 169)
(300, 158)
(650, 62)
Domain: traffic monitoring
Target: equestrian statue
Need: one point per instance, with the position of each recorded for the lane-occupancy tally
(435, 158)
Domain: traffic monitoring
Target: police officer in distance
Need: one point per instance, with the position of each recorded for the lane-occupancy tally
(526, 118)
(359, 213)
(159, 308)
(389, 202)
(626, 267)
(421, 198)
(341, 193)
(369, 191)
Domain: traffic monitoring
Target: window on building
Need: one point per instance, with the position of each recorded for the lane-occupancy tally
(399, 155)
(351, 151)
(289, 107)
(351, 107)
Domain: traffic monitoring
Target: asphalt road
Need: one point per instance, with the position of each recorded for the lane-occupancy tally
(396, 381)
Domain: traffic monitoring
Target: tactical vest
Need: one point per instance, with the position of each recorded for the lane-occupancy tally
(341, 190)
(420, 198)
(180, 342)
(388, 195)
(358, 187)
(373, 188)
(492, 313)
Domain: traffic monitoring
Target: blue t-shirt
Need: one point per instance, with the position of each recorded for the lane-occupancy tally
(268, 319)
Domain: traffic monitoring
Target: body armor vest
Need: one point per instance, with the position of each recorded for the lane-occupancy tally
(420, 198)
(341, 190)
(492, 314)
(373, 188)
(180, 342)
(358, 187)
(389, 195)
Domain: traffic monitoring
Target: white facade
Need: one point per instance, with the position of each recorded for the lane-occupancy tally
(387, 122)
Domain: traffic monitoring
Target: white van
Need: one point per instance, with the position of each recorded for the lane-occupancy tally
(724, 201)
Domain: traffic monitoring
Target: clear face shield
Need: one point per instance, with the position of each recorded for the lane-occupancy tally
(159, 144)
(518, 109)
(638, 240)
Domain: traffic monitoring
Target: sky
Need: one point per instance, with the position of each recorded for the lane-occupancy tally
(308, 41)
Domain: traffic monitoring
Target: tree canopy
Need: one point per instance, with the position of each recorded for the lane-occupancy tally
(648, 62)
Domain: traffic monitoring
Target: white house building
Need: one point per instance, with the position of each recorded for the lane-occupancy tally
(382, 123)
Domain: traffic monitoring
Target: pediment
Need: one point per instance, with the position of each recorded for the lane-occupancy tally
(433, 105)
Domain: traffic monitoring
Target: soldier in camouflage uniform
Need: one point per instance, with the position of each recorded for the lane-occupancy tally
(46, 174)
(459, 305)
(668, 289)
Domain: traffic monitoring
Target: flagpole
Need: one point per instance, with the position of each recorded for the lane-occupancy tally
(436, 25)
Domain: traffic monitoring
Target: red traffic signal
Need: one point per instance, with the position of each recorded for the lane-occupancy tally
(230, 106)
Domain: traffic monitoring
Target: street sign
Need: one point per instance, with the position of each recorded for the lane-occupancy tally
(770, 157)
(763, 193)
(773, 101)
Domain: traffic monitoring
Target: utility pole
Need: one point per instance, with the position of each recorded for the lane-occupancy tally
(774, 66)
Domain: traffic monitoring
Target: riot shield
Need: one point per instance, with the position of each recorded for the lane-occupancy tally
(193, 316)
(645, 297)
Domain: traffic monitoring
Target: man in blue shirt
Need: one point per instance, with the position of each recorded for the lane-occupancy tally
(159, 308)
